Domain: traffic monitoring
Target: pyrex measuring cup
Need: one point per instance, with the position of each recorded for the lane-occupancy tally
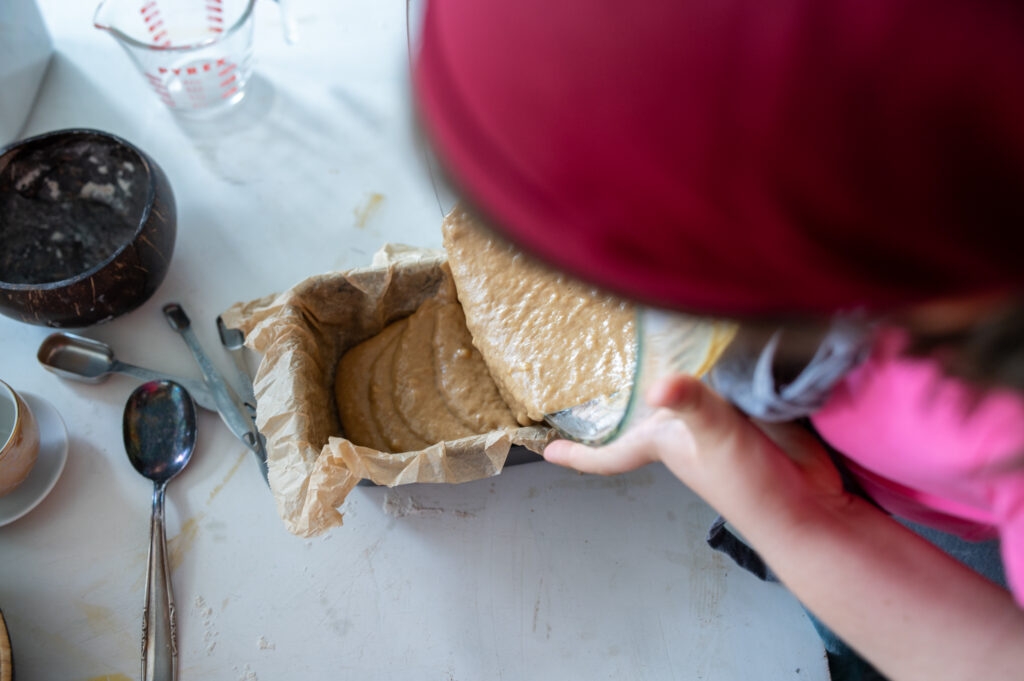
(196, 54)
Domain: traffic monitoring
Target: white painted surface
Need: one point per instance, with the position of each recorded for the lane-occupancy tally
(539, 573)
(25, 50)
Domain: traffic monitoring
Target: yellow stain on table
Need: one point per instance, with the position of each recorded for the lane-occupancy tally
(183, 542)
(110, 677)
(364, 212)
(100, 619)
(231, 473)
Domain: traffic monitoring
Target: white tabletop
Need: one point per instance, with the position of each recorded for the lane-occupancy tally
(539, 573)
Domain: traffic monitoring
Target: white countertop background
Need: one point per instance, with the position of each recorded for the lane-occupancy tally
(539, 573)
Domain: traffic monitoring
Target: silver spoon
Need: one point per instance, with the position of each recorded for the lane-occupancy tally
(92, 361)
(159, 436)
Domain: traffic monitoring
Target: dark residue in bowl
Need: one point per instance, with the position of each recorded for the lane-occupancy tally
(82, 176)
(66, 209)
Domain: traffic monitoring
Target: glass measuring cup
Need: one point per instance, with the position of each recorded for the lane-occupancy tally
(666, 343)
(195, 54)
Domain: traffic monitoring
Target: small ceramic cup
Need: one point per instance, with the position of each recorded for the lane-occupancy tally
(19, 439)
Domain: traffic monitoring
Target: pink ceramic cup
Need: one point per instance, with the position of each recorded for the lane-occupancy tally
(19, 439)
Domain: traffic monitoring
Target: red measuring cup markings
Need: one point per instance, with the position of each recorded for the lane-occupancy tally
(195, 54)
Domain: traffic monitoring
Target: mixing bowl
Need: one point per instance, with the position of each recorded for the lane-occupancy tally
(87, 228)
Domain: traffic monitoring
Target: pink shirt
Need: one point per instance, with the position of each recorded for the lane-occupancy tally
(929, 448)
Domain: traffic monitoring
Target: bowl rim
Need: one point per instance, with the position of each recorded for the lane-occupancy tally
(143, 219)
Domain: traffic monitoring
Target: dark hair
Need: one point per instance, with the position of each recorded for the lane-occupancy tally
(989, 353)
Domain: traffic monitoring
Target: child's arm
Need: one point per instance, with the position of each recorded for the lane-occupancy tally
(912, 611)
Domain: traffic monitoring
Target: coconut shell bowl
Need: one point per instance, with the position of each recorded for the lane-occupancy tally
(87, 228)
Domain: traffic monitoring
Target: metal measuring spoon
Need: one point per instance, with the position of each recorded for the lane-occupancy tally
(232, 410)
(159, 436)
(233, 341)
(91, 361)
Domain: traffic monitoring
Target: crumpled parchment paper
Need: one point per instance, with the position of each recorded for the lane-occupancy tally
(300, 335)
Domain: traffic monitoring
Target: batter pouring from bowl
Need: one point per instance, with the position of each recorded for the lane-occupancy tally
(782, 165)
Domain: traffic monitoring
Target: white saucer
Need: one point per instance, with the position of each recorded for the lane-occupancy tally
(53, 454)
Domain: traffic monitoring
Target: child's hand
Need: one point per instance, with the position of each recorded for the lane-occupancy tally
(715, 450)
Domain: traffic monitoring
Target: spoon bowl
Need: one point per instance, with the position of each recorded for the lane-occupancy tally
(232, 339)
(91, 361)
(159, 429)
(159, 436)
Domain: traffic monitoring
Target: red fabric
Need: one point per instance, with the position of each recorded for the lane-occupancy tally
(741, 156)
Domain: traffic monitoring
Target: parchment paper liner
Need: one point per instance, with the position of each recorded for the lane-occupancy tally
(300, 335)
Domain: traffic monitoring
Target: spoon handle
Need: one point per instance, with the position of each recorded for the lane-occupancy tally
(196, 389)
(159, 639)
(232, 410)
